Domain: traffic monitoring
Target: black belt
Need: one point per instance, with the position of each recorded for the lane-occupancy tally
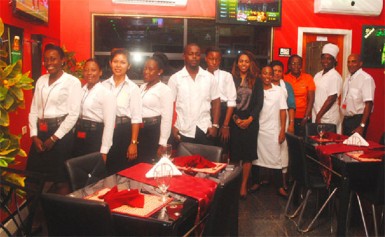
(353, 116)
(151, 120)
(88, 125)
(122, 120)
(53, 122)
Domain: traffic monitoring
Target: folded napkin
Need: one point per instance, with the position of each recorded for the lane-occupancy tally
(194, 161)
(116, 198)
(356, 140)
(163, 160)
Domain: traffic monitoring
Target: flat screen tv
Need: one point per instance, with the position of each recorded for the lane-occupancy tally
(32, 10)
(373, 46)
(249, 12)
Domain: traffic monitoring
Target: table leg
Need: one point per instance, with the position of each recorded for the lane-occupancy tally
(343, 207)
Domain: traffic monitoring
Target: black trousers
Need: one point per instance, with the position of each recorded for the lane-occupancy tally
(91, 142)
(117, 156)
(352, 122)
(148, 143)
(298, 129)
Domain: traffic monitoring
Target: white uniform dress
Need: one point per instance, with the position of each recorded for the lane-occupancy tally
(269, 150)
(326, 85)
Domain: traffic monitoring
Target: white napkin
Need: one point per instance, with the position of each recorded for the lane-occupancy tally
(175, 171)
(356, 140)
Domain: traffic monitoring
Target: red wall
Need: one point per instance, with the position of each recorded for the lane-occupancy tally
(51, 33)
(300, 14)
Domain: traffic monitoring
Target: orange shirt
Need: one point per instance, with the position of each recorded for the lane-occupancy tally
(301, 86)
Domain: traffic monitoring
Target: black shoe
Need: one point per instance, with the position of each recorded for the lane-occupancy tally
(254, 188)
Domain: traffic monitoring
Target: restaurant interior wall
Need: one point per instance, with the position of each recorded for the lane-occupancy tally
(78, 36)
(48, 33)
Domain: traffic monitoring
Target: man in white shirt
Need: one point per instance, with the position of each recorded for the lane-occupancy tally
(196, 97)
(357, 98)
(328, 84)
(228, 95)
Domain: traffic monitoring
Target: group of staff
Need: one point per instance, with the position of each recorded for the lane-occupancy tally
(247, 111)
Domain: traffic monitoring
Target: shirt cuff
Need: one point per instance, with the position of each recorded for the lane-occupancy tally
(104, 149)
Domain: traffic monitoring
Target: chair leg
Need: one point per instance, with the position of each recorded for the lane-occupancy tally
(374, 220)
(295, 213)
(362, 215)
(320, 211)
(303, 209)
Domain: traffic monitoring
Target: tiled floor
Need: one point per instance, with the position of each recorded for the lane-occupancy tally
(262, 214)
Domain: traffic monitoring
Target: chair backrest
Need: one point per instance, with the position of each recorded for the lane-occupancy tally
(382, 139)
(69, 216)
(212, 153)
(85, 170)
(311, 128)
(297, 158)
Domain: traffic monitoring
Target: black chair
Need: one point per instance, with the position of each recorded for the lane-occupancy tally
(85, 170)
(372, 193)
(309, 181)
(382, 139)
(20, 201)
(311, 128)
(223, 214)
(212, 153)
(69, 216)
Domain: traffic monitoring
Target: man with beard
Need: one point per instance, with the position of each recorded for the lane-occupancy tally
(196, 97)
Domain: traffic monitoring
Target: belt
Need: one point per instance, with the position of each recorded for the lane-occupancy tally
(353, 116)
(53, 122)
(122, 120)
(88, 125)
(151, 120)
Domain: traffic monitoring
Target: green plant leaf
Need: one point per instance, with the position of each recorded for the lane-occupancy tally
(3, 93)
(22, 153)
(3, 163)
(4, 118)
(8, 102)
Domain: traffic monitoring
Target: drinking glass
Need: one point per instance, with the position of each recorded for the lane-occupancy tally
(321, 129)
(163, 175)
(167, 151)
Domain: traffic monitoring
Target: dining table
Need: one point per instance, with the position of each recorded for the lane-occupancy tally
(190, 199)
(345, 166)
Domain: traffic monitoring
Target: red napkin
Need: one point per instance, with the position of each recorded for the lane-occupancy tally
(195, 161)
(116, 198)
(329, 137)
(373, 154)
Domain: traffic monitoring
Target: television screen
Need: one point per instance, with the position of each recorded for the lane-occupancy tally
(252, 12)
(373, 46)
(36, 10)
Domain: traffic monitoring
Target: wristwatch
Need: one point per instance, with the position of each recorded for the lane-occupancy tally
(134, 142)
(215, 125)
(362, 125)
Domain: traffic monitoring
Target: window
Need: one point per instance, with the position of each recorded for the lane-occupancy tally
(143, 36)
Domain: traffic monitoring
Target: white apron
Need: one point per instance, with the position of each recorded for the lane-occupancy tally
(270, 152)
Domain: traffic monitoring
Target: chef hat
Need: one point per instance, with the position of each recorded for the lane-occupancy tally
(331, 49)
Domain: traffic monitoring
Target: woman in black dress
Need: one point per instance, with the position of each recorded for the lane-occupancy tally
(244, 125)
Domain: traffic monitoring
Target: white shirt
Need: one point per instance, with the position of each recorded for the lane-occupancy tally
(158, 101)
(193, 100)
(226, 87)
(128, 99)
(326, 85)
(56, 100)
(99, 105)
(358, 89)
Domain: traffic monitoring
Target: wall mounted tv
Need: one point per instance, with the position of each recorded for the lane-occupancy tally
(31, 10)
(249, 12)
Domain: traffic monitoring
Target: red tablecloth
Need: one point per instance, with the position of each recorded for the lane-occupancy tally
(201, 189)
(324, 152)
